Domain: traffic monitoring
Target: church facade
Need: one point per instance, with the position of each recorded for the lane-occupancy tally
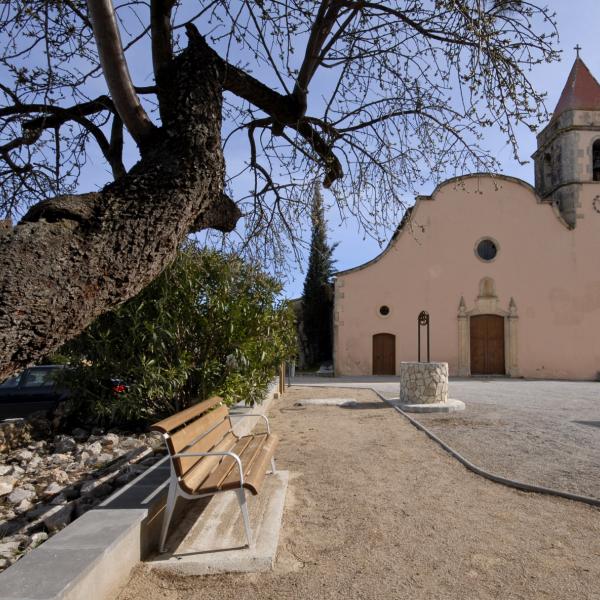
(509, 273)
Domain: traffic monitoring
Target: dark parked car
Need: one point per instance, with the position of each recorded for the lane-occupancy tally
(32, 390)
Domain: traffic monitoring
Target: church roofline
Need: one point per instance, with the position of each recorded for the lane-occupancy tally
(412, 210)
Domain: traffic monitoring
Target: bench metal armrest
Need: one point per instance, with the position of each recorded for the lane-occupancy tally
(231, 454)
(255, 415)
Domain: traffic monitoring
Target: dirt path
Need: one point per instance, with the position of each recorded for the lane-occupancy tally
(376, 511)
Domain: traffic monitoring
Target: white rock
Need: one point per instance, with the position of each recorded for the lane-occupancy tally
(33, 465)
(19, 494)
(24, 506)
(52, 489)
(7, 483)
(95, 448)
(23, 455)
(59, 476)
(9, 548)
(60, 459)
(111, 439)
(38, 538)
(99, 460)
(5, 470)
(131, 442)
(58, 517)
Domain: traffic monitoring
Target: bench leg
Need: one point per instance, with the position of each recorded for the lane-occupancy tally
(171, 498)
(241, 494)
(273, 467)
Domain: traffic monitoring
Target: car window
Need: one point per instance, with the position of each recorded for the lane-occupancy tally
(39, 378)
(11, 382)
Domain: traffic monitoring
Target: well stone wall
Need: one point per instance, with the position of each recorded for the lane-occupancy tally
(423, 383)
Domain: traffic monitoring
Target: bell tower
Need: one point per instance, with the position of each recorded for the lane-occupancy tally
(567, 160)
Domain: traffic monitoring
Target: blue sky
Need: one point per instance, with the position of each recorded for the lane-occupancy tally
(578, 23)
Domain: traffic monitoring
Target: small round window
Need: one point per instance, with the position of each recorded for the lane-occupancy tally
(384, 310)
(487, 249)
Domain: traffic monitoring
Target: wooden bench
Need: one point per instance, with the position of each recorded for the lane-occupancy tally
(207, 457)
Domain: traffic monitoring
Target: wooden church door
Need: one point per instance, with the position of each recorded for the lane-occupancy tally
(384, 354)
(487, 345)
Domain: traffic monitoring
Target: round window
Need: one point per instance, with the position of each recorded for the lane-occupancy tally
(487, 249)
(384, 310)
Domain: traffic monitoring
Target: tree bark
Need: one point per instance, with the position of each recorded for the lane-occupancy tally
(74, 257)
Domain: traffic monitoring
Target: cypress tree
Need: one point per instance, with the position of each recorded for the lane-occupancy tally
(317, 296)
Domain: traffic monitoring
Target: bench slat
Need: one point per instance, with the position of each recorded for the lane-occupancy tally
(228, 470)
(247, 458)
(206, 465)
(206, 444)
(258, 470)
(183, 438)
(173, 422)
(195, 480)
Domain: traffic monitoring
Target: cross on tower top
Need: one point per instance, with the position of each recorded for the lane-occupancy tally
(577, 49)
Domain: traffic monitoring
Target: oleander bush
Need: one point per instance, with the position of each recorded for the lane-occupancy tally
(210, 324)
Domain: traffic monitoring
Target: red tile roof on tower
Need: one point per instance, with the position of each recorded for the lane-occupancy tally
(581, 92)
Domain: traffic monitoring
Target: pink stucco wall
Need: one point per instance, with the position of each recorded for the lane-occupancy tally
(551, 272)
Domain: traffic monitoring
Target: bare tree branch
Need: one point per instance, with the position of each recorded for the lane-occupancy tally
(322, 25)
(55, 117)
(116, 71)
(160, 23)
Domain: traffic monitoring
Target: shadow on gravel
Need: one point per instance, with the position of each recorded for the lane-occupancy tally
(589, 423)
(364, 405)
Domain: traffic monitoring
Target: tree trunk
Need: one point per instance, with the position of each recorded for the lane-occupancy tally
(74, 257)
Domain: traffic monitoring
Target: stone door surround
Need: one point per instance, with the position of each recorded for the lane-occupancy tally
(487, 303)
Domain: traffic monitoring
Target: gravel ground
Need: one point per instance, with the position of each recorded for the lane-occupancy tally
(375, 510)
(541, 432)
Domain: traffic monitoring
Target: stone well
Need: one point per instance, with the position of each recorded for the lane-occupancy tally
(423, 382)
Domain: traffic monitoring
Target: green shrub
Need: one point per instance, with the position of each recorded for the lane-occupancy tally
(210, 324)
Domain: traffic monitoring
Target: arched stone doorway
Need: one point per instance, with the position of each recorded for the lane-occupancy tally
(384, 354)
(501, 326)
(487, 345)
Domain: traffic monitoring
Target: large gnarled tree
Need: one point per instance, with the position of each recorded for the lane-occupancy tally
(384, 119)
